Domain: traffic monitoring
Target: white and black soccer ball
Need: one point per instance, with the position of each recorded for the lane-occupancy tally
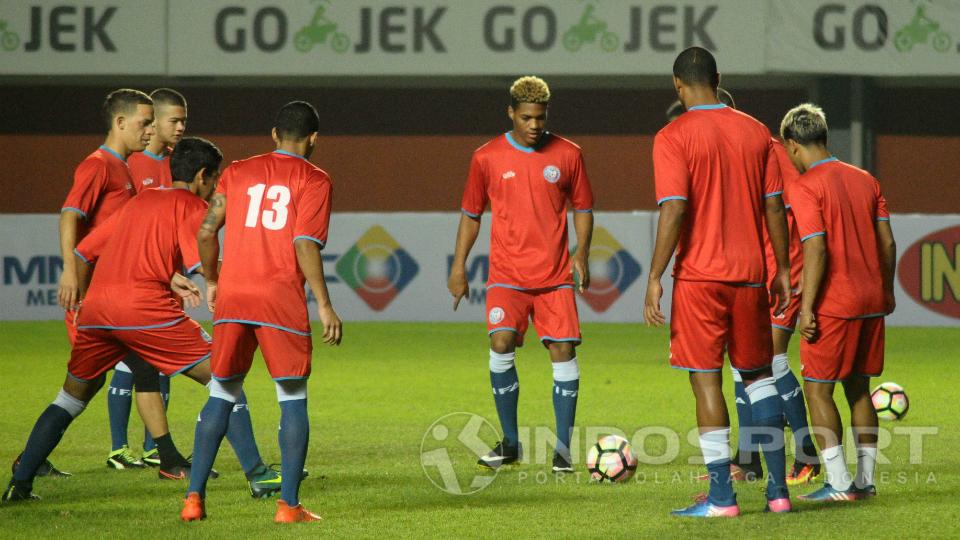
(611, 460)
(890, 401)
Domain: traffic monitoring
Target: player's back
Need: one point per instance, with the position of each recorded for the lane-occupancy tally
(272, 200)
(726, 160)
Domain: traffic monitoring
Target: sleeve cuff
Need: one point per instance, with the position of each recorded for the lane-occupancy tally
(72, 209)
(811, 235)
(82, 258)
(310, 238)
(670, 198)
(774, 194)
(470, 214)
(193, 269)
(584, 211)
(883, 219)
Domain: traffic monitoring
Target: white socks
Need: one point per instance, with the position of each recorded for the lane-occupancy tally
(566, 371)
(837, 475)
(715, 445)
(501, 363)
(866, 464)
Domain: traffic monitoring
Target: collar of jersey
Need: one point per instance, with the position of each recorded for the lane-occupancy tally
(291, 154)
(527, 149)
(151, 155)
(112, 152)
(822, 161)
(713, 107)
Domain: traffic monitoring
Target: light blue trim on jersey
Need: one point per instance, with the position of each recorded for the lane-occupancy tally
(787, 206)
(148, 327)
(310, 238)
(560, 340)
(72, 209)
(193, 268)
(822, 161)
(82, 258)
(695, 370)
(300, 378)
(748, 284)
(516, 288)
(811, 235)
(883, 219)
(113, 153)
(191, 366)
(671, 198)
(291, 154)
(470, 214)
(258, 323)
(153, 156)
(587, 211)
(781, 327)
(713, 107)
(774, 194)
(518, 146)
(503, 329)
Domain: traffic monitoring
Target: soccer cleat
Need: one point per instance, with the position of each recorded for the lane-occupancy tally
(778, 506)
(828, 494)
(803, 473)
(703, 509)
(293, 514)
(15, 492)
(123, 458)
(46, 469)
(193, 508)
(738, 474)
(181, 472)
(561, 464)
(151, 458)
(502, 454)
(264, 482)
(865, 492)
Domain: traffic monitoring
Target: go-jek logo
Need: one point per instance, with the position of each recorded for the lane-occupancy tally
(377, 268)
(612, 271)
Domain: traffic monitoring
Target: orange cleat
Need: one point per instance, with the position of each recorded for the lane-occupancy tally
(193, 508)
(293, 514)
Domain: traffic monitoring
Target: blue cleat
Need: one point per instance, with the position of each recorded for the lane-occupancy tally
(704, 509)
(828, 494)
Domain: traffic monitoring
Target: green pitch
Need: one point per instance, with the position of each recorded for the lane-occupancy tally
(373, 400)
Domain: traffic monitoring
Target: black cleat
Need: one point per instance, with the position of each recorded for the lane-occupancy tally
(46, 469)
(561, 464)
(502, 454)
(18, 492)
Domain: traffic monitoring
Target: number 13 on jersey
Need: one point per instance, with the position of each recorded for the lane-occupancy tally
(274, 218)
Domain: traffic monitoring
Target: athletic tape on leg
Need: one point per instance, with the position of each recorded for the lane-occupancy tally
(291, 389)
(72, 405)
(225, 390)
(501, 363)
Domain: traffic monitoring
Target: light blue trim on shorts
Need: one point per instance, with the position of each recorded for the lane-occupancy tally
(258, 323)
(230, 378)
(811, 379)
(300, 378)
(191, 366)
(560, 340)
(503, 329)
(148, 327)
(781, 327)
(695, 370)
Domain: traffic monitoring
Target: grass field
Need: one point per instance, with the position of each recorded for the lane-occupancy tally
(373, 399)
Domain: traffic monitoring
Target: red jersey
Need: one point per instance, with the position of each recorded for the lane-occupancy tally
(101, 186)
(137, 252)
(843, 203)
(789, 175)
(722, 162)
(150, 171)
(272, 200)
(528, 190)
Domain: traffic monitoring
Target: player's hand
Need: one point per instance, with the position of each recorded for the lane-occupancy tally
(211, 295)
(807, 325)
(68, 293)
(651, 304)
(185, 288)
(332, 326)
(891, 302)
(458, 286)
(780, 292)
(581, 267)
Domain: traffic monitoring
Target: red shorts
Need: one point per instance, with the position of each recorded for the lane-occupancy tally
(554, 313)
(70, 321)
(709, 318)
(171, 349)
(788, 319)
(843, 348)
(287, 354)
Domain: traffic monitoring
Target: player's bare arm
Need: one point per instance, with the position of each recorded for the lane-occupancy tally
(776, 220)
(209, 245)
(887, 248)
(583, 225)
(466, 236)
(814, 267)
(186, 290)
(672, 213)
(311, 264)
(68, 293)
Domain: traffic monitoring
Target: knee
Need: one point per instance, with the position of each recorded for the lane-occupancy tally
(503, 342)
(561, 351)
(146, 378)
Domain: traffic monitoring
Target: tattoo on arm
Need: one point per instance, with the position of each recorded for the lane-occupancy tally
(213, 217)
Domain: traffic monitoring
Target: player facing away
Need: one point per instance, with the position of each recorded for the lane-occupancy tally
(717, 179)
(276, 208)
(149, 169)
(130, 306)
(849, 257)
(528, 176)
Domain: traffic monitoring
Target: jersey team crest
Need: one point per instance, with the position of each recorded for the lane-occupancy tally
(496, 315)
(551, 174)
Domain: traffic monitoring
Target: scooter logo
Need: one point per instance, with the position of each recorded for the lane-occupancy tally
(587, 30)
(920, 30)
(319, 31)
(9, 40)
(612, 271)
(377, 268)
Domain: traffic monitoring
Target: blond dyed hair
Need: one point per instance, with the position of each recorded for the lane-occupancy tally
(529, 89)
(806, 124)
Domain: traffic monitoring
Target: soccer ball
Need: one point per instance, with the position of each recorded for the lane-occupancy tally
(890, 401)
(611, 460)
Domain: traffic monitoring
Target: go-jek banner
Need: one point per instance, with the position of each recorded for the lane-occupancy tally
(394, 267)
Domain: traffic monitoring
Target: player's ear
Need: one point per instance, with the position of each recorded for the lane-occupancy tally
(313, 139)
(510, 112)
(200, 178)
(276, 138)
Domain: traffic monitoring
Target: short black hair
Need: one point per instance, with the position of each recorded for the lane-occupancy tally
(168, 96)
(191, 155)
(696, 66)
(122, 101)
(297, 120)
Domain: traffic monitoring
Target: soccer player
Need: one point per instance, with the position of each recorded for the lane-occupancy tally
(149, 169)
(276, 208)
(528, 176)
(717, 179)
(129, 306)
(849, 256)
